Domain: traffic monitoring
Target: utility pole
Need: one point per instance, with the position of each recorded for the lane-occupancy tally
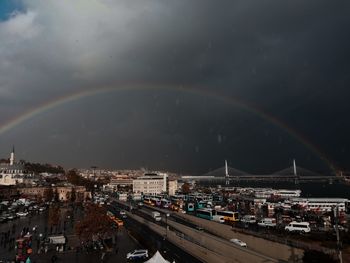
(335, 211)
(166, 225)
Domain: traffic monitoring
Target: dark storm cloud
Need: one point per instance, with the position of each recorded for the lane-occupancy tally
(291, 59)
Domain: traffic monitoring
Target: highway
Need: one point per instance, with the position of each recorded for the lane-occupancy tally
(213, 243)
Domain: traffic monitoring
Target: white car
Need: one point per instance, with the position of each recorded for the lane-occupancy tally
(22, 214)
(137, 254)
(238, 242)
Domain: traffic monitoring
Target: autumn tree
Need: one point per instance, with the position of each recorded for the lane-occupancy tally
(56, 196)
(74, 178)
(186, 188)
(73, 195)
(95, 223)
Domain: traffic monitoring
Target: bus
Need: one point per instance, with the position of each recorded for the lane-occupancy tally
(165, 203)
(201, 205)
(205, 213)
(23, 248)
(229, 216)
(189, 207)
(156, 202)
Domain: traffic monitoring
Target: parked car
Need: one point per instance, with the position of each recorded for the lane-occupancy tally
(267, 222)
(248, 219)
(341, 228)
(238, 242)
(11, 216)
(137, 254)
(302, 227)
(22, 214)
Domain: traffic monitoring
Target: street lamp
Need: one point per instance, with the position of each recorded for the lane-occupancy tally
(166, 224)
(336, 211)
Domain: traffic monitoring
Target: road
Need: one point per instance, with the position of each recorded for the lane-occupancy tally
(125, 243)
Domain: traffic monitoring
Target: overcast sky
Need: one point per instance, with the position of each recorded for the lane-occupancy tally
(288, 59)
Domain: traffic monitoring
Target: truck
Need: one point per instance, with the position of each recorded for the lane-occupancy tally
(156, 216)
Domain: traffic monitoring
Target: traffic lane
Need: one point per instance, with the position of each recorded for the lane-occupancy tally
(261, 245)
(222, 246)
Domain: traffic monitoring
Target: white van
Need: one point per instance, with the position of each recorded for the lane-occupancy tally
(248, 219)
(268, 222)
(303, 227)
(219, 219)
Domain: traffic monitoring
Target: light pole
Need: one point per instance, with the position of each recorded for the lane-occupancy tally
(335, 211)
(166, 224)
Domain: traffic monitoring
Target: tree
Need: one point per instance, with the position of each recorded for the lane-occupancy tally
(95, 223)
(73, 195)
(73, 177)
(56, 196)
(54, 215)
(186, 188)
(48, 194)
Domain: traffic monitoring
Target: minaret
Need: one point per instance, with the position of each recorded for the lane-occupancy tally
(226, 174)
(12, 157)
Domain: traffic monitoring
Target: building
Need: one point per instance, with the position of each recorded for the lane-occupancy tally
(151, 184)
(120, 181)
(173, 186)
(13, 173)
(64, 192)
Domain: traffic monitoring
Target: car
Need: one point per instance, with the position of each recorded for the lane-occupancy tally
(22, 214)
(11, 216)
(238, 242)
(123, 214)
(199, 228)
(341, 228)
(137, 254)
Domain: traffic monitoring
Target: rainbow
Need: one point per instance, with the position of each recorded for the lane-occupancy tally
(58, 102)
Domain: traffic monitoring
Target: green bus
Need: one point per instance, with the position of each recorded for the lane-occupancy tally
(205, 213)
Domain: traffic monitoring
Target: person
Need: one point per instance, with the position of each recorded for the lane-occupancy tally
(116, 250)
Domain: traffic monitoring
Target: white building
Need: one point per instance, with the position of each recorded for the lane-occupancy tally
(151, 184)
(173, 186)
(13, 173)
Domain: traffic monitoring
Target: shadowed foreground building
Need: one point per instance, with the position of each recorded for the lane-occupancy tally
(64, 192)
